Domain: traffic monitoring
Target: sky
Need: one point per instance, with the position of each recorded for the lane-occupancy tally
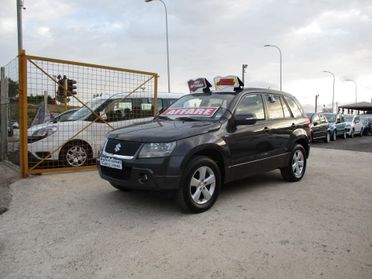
(208, 38)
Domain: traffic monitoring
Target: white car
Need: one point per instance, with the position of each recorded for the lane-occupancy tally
(76, 142)
(353, 125)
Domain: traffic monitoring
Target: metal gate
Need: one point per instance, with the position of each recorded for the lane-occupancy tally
(66, 108)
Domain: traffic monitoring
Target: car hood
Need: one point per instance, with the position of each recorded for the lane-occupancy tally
(164, 131)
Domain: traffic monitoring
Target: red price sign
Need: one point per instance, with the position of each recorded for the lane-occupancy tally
(197, 111)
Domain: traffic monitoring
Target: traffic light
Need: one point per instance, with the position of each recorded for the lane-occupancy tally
(71, 87)
(62, 87)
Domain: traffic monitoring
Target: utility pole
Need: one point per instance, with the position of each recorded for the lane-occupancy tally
(20, 7)
(333, 88)
(4, 103)
(244, 67)
(316, 102)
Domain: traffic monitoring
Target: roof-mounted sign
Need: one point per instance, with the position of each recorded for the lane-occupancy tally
(228, 83)
(200, 85)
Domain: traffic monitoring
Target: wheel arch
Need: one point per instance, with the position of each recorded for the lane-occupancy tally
(83, 142)
(213, 152)
(305, 143)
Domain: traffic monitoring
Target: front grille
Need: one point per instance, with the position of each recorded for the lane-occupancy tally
(123, 148)
(115, 173)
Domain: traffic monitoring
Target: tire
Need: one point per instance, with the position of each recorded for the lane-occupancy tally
(334, 135)
(292, 172)
(200, 185)
(76, 154)
(121, 188)
(327, 139)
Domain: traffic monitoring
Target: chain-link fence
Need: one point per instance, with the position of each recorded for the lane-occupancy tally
(9, 112)
(67, 108)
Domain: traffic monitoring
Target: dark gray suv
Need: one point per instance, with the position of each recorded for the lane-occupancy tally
(204, 140)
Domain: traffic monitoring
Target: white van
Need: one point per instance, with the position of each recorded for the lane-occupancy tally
(76, 142)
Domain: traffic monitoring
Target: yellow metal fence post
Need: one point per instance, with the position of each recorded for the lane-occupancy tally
(22, 102)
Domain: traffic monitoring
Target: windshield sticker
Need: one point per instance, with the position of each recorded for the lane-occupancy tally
(197, 111)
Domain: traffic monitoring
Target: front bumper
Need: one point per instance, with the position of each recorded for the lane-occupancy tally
(143, 174)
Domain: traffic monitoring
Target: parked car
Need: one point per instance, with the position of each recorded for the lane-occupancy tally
(14, 124)
(10, 130)
(319, 127)
(367, 124)
(336, 125)
(76, 142)
(206, 139)
(63, 116)
(353, 125)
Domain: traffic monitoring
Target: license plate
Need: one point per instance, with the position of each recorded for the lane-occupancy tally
(111, 163)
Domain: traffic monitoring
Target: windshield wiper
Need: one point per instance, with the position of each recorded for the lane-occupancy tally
(162, 117)
(186, 118)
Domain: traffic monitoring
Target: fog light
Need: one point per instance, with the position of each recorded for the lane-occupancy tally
(143, 178)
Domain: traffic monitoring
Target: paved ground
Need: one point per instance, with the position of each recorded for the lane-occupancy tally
(363, 144)
(77, 226)
(8, 174)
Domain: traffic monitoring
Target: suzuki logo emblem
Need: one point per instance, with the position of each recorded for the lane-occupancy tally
(117, 147)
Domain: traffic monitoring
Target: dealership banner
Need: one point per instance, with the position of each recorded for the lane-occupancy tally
(196, 111)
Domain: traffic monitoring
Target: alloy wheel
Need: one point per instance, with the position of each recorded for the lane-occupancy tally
(298, 162)
(202, 185)
(76, 156)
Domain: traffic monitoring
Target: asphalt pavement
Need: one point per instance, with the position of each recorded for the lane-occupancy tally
(77, 226)
(361, 144)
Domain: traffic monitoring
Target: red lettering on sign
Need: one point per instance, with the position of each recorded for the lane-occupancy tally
(200, 111)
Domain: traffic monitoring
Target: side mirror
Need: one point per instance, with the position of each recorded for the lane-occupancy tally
(245, 119)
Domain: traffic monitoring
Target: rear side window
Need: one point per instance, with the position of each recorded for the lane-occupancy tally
(322, 118)
(287, 113)
(274, 107)
(296, 110)
(315, 119)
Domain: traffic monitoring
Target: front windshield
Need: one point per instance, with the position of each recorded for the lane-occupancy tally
(84, 111)
(331, 118)
(199, 107)
(348, 118)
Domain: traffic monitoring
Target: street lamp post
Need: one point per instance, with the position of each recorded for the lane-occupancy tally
(167, 40)
(316, 102)
(281, 63)
(20, 7)
(356, 89)
(244, 66)
(333, 90)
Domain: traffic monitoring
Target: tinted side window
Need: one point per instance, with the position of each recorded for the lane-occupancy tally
(274, 107)
(251, 104)
(315, 119)
(296, 111)
(160, 104)
(287, 113)
(322, 119)
(119, 110)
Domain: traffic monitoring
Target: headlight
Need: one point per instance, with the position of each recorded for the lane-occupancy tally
(151, 150)
(44, 132)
